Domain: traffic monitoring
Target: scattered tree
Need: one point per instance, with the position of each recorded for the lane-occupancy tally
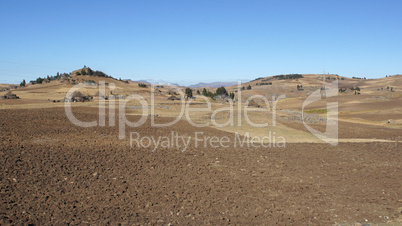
(189, 92)
(23, 83)
(39, 80)
(248, 87)
(232, 95)
(300, 87)
(204, 92)
(221, 91)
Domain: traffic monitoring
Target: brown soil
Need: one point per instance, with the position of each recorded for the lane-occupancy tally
(52, 172)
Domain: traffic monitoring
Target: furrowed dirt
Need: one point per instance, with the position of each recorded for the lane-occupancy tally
(53, 172)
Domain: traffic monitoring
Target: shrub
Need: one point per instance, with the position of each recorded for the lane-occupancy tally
(289, 76)
(221, 91)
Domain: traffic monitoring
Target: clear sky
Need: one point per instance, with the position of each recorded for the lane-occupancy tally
(194, 41)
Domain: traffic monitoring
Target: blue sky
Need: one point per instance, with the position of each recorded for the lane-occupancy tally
(199, 40)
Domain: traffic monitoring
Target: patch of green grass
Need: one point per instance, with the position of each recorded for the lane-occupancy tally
(316, 111)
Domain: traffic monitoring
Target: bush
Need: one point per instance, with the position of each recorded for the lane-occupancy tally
(264, 83)
(221, 91)
(39, 80)
(289, 76)
(300, 87)
(232, 95)
(208, 93)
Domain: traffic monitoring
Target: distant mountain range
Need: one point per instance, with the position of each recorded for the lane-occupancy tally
(214, 84)
(198, 85)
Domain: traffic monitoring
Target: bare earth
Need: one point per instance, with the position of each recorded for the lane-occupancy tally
(52, 172)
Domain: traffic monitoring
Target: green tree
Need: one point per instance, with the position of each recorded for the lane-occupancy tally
(221, 91)
(198, 92)
(83, 72)
(23, 83)
(90, 72)
(189, 92)
(204, 92)
(39, 80)
(232, 95)
(248, 87)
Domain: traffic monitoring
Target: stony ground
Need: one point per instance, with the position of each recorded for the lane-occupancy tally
(52, 172)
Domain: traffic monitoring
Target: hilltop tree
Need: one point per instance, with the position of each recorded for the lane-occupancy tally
(23, 83)
(83, 72)
(90, 72)
(39, 80)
